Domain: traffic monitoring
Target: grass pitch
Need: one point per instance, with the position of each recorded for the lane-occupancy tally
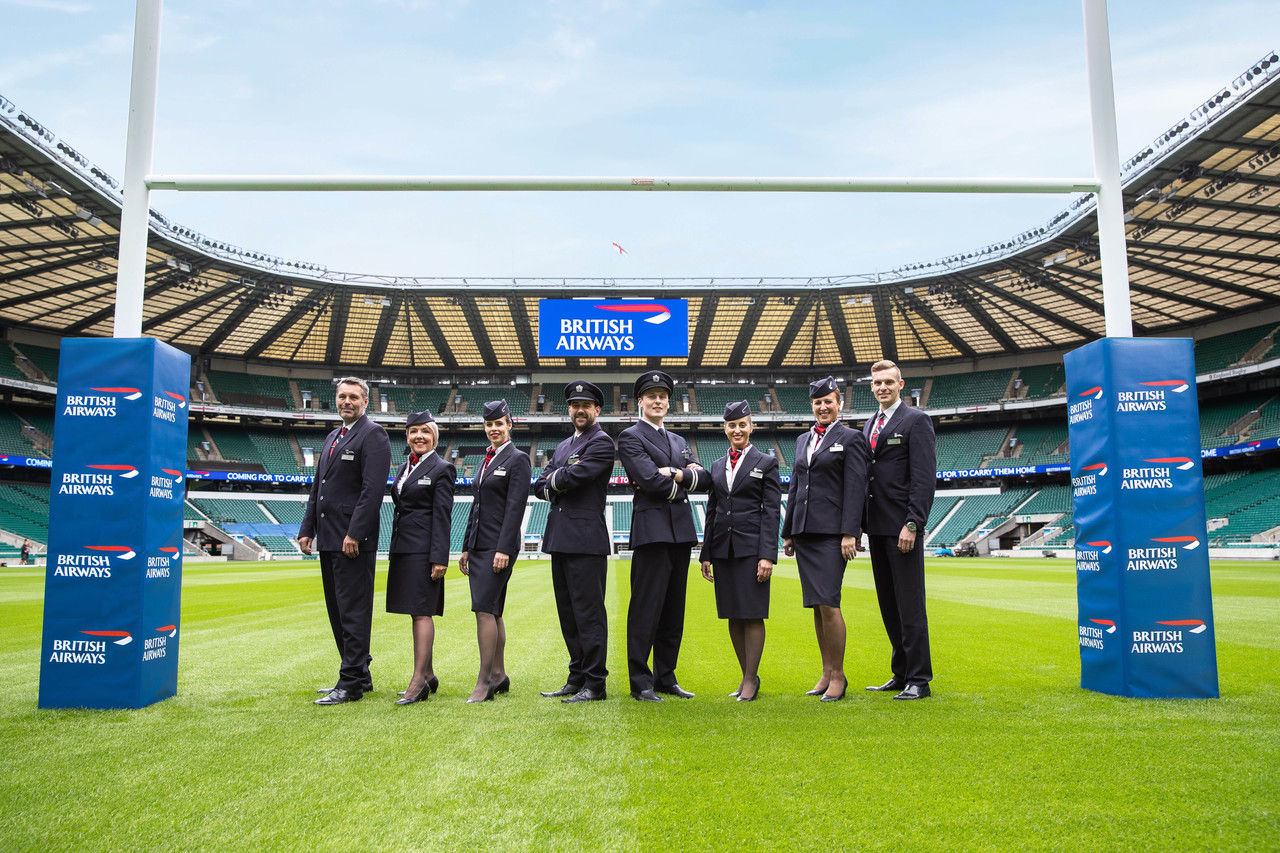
(1008, 754)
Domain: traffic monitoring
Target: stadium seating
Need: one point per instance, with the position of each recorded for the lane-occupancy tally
(458, 525)
(286, 512)
(229, 511)
(234, 444)
(15, 438)
(942, 504)
(712, 399)
(275, 448)
(9, 365)
(622, 517)
(958, 390)
(1216, 418)
(1038, 441)
(1222, 351)
(1268, 425)
(24, 511)
(475, 396)
(974, 510)
(1051, 498)
(539, 511)
(709, 448)
(43, 358)
(1250, 503)
(964, 447)
(1043, 380)
(279, 546)
(251, 389)
(793, 399)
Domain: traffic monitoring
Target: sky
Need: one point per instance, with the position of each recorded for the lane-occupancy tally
(604, 87)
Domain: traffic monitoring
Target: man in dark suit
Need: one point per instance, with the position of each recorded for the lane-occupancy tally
(900, 486)
(342, 519)
(577, 538)
(824, 523)
(662, 470)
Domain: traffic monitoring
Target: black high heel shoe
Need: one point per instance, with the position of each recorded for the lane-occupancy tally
(826, 698)
(432, 682)
(424, 692)
(753, 696)
(503, 686)
(818, 691)
(488, 697)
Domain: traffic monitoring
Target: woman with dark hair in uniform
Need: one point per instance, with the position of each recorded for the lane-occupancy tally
(501, 489)
(423, 497)
(740, 542)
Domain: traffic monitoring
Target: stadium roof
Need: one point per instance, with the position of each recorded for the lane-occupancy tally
(1203, 240)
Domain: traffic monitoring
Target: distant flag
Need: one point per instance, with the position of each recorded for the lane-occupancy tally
(621, 251)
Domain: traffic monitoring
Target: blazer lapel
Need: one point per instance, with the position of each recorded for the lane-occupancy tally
(743, 471)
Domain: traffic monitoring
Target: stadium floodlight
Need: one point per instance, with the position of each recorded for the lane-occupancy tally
(138, 181)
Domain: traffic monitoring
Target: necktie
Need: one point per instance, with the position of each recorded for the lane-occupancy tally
(734, 456)
(488, 457)
(875, 431)
(336, 440)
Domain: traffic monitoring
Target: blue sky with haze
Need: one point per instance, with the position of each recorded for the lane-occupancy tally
(647, 88)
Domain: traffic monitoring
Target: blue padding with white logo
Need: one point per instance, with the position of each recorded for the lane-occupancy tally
(1142, 562)
(113, 578)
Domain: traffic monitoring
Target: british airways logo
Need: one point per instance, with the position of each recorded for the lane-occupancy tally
(581, 327)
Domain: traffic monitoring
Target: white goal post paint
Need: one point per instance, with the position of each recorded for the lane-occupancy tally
(138, 183)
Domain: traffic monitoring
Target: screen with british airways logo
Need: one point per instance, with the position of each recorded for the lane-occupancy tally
(613, 327)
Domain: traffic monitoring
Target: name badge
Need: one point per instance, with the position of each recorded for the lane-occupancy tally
(501, 472)
(757, 473)
(425, 481)
(348, 455)
(836, 448)
(894, 441)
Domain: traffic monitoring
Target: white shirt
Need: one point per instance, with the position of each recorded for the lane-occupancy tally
(888, 416)
(729, 470)
(410, 469)
(815, 439)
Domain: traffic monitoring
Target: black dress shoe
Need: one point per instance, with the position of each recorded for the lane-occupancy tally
(567, 690)
(753, 696)
(676, 690)
(586, 694)
(338, 696)
(367, 687)
(892, 685)
(645, 696)
(914, 691)
(503, 686)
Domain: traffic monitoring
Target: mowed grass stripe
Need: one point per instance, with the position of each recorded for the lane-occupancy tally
(1009, 752)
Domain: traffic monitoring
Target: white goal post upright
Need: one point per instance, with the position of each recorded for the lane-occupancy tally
(138, 182)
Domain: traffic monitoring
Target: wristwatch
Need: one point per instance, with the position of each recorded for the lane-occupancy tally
(911, 526)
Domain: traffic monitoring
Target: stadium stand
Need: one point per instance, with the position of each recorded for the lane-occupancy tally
(1037, 443)
(538, 514)
(458, 525)
(965, 447)
(1218, 416)
(281, 546)
(1223, 351)
(942, 504)
(234, 444)
(285, 512)
(957, 390)
(228, 511)
(475, 396)
(1268, 423)
(9, 365)
(712, 399)
(622, 517)
(709, 448)
(24, 511)
(1250, 504)
(16, 439)
(1051, 498)
(974, 510)
(251, 389)
(44, 359)
(1042, 381)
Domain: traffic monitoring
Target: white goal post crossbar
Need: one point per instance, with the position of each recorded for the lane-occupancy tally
(138, 182)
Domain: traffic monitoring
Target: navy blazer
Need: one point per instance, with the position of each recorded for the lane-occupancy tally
(346, 494)
(827, 493)
(497, 513)
(743, 519)
(575, 482)
(903, 473)
(660, 510)
(424, 509)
